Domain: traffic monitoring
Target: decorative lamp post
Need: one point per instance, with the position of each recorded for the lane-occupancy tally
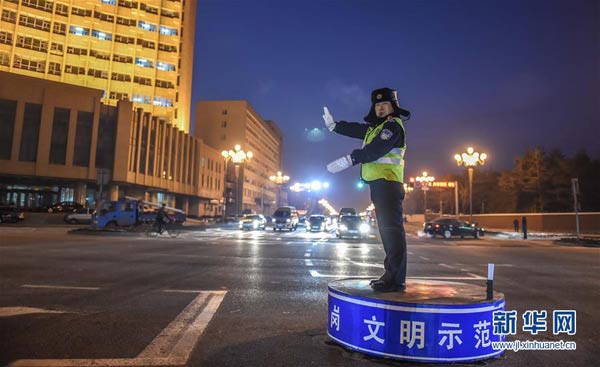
(238, 157)
(279, 180)
(470, 159)
(425, 180)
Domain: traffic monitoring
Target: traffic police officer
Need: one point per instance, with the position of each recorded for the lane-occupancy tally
(382, 167)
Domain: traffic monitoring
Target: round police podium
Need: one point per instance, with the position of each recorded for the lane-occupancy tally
(433, 321)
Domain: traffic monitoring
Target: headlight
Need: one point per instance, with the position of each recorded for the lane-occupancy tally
(343, 227)
(272, 220)
(288, 220)
(241, 223)
(255, 223)
(364, 227)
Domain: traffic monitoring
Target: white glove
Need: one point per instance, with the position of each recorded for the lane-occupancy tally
(328, 119)
(340, 164)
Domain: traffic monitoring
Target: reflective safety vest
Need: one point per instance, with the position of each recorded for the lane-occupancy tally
(391, 165)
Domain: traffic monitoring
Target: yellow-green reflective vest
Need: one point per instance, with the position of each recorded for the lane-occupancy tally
(391, 165)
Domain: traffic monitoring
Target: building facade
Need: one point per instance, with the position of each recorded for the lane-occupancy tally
(136, 50)
(56, 139)
(222, 125)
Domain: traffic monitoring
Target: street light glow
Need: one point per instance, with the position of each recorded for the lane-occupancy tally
(470, 158)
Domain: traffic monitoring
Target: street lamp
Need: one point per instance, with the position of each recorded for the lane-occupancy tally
(279, 180)
(425, 180)
(238, 157)
(470, 159)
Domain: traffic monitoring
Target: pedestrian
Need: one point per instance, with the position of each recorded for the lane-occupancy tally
(382, 168)
(524, 227)
(516, 225)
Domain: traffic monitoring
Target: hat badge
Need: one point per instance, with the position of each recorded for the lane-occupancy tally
(379, 96)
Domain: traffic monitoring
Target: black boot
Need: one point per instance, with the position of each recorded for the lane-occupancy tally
(381, 286)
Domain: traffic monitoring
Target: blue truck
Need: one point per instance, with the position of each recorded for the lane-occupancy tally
(131, 212)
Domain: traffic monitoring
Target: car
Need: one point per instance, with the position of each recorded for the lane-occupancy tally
(347, 211)
(317, 223)
(83, 215)
(448, 227)
(285, 217)
(11, 214)
(253, 221)
(352, 226)
(64, 206)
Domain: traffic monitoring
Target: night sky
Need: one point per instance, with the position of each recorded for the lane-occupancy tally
(498, 75)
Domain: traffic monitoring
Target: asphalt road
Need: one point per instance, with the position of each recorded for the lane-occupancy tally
(227, 298)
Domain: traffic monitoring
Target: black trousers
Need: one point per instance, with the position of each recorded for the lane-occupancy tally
(387, 197)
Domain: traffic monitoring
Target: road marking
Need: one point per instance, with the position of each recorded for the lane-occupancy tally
(316, 274)
(17, 311)
(59, 287)
(307, 254)
(447, 266)
(476, 276)
(424, 258)
(370, 265)
(172, 347)
(410, 253)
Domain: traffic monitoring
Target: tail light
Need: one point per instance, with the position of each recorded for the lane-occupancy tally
(437, 226)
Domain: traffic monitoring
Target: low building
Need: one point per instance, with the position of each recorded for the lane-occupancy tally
(58, 141)
(224, 124)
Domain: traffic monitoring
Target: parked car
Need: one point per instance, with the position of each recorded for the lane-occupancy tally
(352, 226)
(448, 227)
(317, 223)
(83, 215)
(64, 206)
(11, 214)
(253, 221)
(285, 217)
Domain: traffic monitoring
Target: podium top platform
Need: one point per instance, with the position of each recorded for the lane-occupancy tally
(421, 292)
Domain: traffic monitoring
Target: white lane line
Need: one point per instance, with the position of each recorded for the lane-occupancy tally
(424, 258)
(59, 287)
(188, 341)
(166, 340)
(447, 266)
(368, 265)
(307, 254)
(172, 347)
(308, 262)
(410, 253)
(17, 311)
(183, 291)
(475, 276)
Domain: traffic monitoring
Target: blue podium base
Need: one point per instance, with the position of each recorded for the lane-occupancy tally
(433, 321)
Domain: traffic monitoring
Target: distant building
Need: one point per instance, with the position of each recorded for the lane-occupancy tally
(56, 138)
(136, 50)
(222, 125)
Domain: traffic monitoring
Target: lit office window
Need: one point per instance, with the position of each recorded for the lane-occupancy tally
(79, 31)
(141, 98)
(147, 26)
(144, 63)
(110, 2)
(165, 66)
(168, 31)
(102, 35)
(164, 102)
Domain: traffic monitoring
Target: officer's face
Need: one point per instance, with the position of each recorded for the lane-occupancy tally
(382, 109)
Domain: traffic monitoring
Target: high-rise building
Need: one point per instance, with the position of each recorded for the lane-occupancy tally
(136, 50)
(224, 124)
